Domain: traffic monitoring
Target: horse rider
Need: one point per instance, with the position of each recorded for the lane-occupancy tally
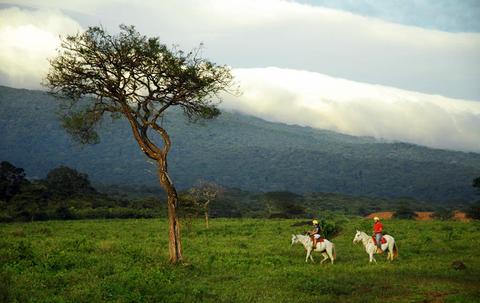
(315, 232)
(377, 231)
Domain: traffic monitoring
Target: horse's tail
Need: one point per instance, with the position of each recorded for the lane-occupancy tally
(334, 252)
(395, 250)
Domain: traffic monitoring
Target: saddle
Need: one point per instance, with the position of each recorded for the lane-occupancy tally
(319, 240)
(383, 241)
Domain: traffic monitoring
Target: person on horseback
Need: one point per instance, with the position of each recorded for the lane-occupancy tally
(377, 231)
(315, 232)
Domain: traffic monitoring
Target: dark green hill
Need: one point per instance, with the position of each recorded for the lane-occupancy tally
(236, 151)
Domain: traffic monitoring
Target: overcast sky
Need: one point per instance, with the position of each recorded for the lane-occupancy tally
(397, 70)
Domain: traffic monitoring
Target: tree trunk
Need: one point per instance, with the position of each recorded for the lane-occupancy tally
(206, 218)
(174, 242)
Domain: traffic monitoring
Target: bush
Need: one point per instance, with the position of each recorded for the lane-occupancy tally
(473, 211)
(329, 229)
(404, 212)
(443, 214)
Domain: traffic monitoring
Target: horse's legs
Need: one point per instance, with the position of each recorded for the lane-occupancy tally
(390, 251)
(372, 259)
(309, 255)
(330, 253)
(325, 257)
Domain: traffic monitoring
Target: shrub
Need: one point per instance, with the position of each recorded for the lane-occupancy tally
(473, 211)
(404, 212)
(443, 214)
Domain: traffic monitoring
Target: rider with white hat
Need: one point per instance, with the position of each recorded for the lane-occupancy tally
(315, 232)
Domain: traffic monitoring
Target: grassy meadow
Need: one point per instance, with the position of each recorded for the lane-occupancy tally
(235, 260)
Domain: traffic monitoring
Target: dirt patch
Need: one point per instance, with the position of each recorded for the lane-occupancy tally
(421, 215)
(460, 216)
(436, 296)
(424, 215)
(381, 215)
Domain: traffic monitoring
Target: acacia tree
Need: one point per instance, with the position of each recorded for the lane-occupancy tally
(203, 194)
(137, 78)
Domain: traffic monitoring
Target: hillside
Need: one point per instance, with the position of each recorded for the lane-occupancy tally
(236, 151)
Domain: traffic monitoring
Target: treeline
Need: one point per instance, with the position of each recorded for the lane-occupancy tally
(66, 193)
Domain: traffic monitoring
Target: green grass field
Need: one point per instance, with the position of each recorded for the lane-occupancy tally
(241, 260)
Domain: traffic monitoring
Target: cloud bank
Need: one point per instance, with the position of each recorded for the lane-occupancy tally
(252, 33)
(320, 101)
(27, 39)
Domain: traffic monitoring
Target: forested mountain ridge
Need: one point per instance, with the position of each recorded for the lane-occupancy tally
(235, 150)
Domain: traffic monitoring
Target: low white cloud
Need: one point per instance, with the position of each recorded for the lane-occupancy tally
(27, 39)
(316, 100)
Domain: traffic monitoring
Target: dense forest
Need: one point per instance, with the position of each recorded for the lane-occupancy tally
(236, 151)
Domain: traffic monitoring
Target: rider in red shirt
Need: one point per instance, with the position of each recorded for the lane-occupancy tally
(377, 231)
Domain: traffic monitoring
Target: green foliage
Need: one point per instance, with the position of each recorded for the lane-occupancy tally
(81, 126)
(329, 229)
(235, 260)
(283, 204)
(443, 214)
(188, 206)
(31, 203)
(11, 179)
(64, 182)
(404, 211)
(67, 194)
(473, 211)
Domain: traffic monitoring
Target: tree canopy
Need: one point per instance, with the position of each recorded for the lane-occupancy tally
(11, 179)
(65, 182)
(133, 75)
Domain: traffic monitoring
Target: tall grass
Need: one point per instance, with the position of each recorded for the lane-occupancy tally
(235, 260)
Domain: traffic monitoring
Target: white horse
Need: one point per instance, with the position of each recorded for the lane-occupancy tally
(371, 248)
(326, 247)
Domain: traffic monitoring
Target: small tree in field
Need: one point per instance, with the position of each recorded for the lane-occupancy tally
(136, 78)
(203, 194)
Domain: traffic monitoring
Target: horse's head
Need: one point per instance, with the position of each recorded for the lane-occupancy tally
(358, 237)
(294, 239)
